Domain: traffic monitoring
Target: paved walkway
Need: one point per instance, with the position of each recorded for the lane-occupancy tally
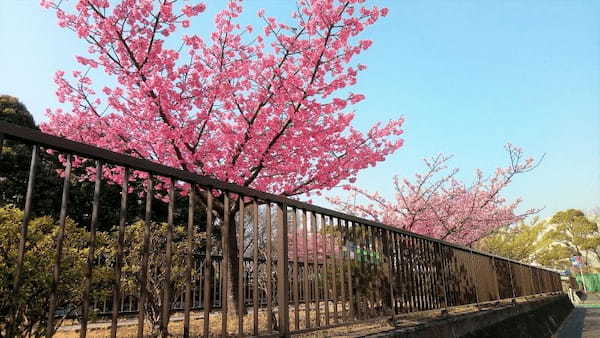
(584, 321)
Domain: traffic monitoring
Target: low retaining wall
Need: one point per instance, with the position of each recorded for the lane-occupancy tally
(539, 317)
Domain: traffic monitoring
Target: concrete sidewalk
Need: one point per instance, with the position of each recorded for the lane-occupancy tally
(584, 321)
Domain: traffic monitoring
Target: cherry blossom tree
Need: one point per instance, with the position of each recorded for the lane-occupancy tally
(266, 108)
(437, 204)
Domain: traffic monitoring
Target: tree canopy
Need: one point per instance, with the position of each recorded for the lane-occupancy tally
(550, 242)
(15, 112)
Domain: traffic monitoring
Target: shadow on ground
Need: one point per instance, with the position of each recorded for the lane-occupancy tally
(583, 322)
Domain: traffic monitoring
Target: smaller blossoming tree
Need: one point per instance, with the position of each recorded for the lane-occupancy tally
(437, 204)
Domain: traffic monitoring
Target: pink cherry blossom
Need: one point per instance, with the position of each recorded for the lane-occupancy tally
(439, 205)
(265, 108)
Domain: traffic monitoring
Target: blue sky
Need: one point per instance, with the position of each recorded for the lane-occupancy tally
(468, 76)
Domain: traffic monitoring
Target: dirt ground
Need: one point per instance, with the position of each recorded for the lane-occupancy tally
(128, 326)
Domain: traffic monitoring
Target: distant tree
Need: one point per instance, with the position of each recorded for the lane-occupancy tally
(14, 175)
(437, 204)
(519, 242)
(572, 234)
(15, 112)
(14, 164)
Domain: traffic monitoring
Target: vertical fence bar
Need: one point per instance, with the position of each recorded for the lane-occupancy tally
(406, 279)
(1, 145)
(316, 267)
(339, 272)
(241, 294)
(295, 275)
(91, 252)
(365, 271)
(375, 266)
(348, 245)
(422, 274)
(475, 264)
(306, 270)
(325, 269)
(26, 217)
(441, 255)
(381, 262)
(433, 273)
(166, 305)
(371, 269)
(400, 275)
(255, 266)
(454, 278)
(282, 271)
(532, 287)
(225, 264)
(188, 262)
(404, 264)
(342, 263)
(417, 273)
(512, 285)
(421, 278)
(119, 260)
(414, 262)
(59, 248)
(144, 263)
(426, 276)
(23, 237)
(496, 284)
(334, 267)
(208, 262)
(387, 251)
(428, 263)
(358, 303)
(394, 273)
(269, 269)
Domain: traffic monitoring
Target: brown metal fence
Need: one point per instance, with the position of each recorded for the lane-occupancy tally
(320, 267)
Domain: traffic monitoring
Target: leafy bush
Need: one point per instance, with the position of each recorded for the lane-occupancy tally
(33, 298)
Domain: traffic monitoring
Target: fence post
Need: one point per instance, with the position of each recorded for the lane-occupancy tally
(91, 252)
(444, 280)
(56, 271)
(166, 305)
(282, 271)
(145, 256)
(189, 258)
(496, 278)
(119, 258)
(532, 286)
(473, 265)
(23, 237)
(512, 285)
(388, 252)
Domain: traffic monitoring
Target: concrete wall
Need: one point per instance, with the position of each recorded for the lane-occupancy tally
(536, 318)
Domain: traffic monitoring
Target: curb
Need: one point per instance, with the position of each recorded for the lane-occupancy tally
(564, 323)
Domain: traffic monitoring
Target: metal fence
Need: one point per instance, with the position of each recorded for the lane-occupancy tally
(320, 267)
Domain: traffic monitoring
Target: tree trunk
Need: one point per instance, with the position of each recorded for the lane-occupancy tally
(230, 235)
(234, 298)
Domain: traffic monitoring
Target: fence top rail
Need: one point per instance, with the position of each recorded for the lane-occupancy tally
(32, 136)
